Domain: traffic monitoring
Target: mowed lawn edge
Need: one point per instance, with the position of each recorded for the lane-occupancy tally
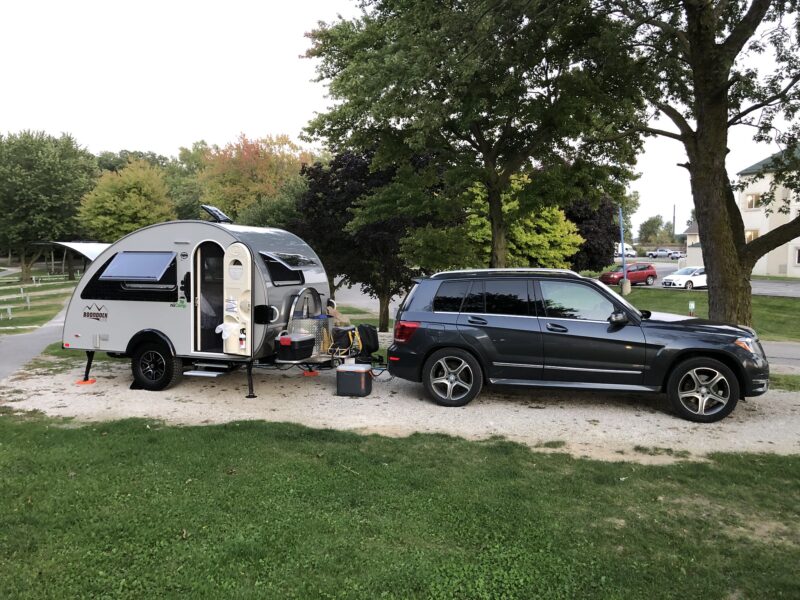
(134, 508)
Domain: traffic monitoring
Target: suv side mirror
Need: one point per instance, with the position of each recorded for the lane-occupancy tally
(618, 317)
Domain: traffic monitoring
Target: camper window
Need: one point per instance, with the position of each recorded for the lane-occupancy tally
(141, 278)
(279, 272)
(138, 266)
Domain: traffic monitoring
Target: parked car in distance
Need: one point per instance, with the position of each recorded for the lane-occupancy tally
(553, 328)
(628, 249)
(659, 253)
(677, 254)
(687, 278)
(636, 272)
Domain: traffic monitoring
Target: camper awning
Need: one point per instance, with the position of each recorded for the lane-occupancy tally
(90, 250)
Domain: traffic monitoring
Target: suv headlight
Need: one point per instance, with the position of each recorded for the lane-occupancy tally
(746, 343)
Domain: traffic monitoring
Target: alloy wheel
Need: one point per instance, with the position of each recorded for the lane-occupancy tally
(704, 391)
(152, 365)
(452, 378)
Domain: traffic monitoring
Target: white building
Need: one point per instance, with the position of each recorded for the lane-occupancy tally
(785, 259)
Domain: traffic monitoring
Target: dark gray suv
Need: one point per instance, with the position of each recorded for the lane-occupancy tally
(457, 330)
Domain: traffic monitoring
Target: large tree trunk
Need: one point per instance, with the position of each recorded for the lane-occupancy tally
(499, 228)
(383, 312)
(26, 266)
(70, 267)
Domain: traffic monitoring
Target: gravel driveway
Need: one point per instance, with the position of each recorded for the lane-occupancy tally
(598, 425)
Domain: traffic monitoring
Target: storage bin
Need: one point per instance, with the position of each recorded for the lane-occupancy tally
(295, 346)
(353, 380)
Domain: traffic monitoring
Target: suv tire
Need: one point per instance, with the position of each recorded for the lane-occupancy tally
(703, 390)
(154, 368)
(452, 377)
(650, 280)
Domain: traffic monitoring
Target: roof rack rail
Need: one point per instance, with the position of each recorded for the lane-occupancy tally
(510, 270)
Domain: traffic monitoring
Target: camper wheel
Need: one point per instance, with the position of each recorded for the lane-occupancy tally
(154, 368)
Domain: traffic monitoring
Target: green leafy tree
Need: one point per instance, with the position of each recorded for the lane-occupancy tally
(183, 178)
(42, 179)
(487, 90)
(279, 210)
(116, 161)
(123, 202)
(248, 171)
(366, 255)
(700, 76)
(650, 230)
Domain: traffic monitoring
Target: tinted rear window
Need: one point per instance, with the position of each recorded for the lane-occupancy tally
(507, 297)
(449, 296)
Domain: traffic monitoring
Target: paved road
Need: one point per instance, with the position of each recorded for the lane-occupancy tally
(784, 357)
(17, 349)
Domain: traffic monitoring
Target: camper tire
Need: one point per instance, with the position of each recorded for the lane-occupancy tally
(154, 367)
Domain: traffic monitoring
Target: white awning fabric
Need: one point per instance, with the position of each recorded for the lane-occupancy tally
(90, 250)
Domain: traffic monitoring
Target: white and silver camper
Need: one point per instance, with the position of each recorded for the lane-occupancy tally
(210, 294)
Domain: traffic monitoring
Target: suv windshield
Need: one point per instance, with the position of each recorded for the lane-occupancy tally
(620, 299)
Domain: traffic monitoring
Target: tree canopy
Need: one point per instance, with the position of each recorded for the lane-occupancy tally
(487, 91)
(125, 201)
(248, 171)
(702, 69)
(42, 179)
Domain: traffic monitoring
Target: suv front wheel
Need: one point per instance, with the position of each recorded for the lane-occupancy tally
(452, 377)
(703, 390)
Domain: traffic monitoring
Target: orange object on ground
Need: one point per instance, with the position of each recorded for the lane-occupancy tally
(87, 382)
(310, 373)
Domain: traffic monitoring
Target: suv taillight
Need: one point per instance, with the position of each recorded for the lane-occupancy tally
(403, 330)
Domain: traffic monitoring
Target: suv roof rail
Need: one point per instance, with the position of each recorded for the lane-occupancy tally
(508, 270)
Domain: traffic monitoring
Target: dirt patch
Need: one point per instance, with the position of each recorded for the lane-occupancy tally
(606, 426)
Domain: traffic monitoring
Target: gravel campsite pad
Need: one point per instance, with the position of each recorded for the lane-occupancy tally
(609, 426)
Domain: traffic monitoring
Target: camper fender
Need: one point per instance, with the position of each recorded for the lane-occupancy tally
(148, 335)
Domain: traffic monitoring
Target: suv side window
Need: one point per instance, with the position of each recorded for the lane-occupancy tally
(507, 297)
(449, 296)
(475, 302)
(568, 300)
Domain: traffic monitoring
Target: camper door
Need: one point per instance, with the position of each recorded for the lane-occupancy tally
(238, 300)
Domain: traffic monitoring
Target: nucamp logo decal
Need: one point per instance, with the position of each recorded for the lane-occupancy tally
(98, 313)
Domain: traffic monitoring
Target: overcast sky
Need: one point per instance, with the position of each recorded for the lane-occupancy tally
(155, 76)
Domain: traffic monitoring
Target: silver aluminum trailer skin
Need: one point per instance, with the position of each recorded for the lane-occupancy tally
(182, 316)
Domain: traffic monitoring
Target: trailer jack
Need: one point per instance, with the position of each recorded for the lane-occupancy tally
(89, 359)
(250, 393)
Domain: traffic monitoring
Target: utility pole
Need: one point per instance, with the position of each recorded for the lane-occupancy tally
(673, 222)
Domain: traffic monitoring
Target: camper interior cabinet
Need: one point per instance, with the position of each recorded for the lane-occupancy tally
(191, 292)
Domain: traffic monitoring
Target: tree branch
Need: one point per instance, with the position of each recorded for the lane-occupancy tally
(745, 29)
(764, 103)
(677, 118)
(662, 132)
(772, 239)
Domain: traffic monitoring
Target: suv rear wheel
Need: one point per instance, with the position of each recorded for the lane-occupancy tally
(452, 377)
(703, 390)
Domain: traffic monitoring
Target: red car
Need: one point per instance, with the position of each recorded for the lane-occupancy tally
(637, 273)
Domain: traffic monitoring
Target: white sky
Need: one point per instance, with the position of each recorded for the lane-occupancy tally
(157, 75)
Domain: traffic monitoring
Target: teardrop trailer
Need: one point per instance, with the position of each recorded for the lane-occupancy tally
(210, 294)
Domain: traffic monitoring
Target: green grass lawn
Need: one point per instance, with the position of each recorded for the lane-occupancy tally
(774, 318)
(136, 509)
(784, 382)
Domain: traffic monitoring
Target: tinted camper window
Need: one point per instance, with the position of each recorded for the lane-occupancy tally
(135, 276)
(279, 271)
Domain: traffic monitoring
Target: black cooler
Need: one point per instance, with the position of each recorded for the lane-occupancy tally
(353, 380)
(295, 346)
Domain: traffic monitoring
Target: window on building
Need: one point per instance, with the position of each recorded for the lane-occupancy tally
(752, 201)
(750, 235)
(797, 256)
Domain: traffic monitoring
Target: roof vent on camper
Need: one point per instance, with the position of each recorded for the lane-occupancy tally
(216, 214)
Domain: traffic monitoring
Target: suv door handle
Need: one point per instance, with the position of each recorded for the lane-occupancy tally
(476, 321)
(557, 328)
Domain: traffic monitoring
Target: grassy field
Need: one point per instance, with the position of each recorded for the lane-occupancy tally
(135, 509)
(43, 307)
(780, 381)
(774, 318)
